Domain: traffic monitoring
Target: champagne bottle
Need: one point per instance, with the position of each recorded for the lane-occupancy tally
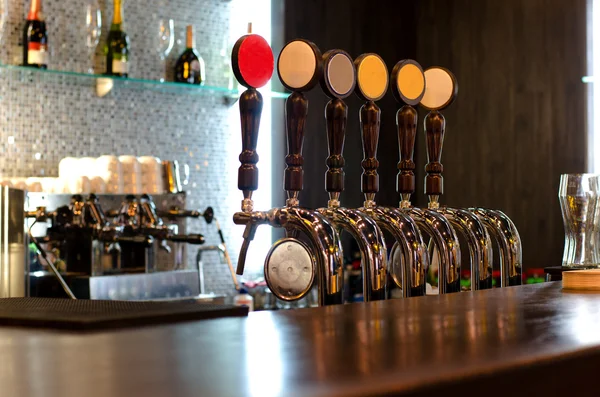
(35, 38)
(190, 65)
(117, 55)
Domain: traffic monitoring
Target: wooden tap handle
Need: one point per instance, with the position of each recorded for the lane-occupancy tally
(251, 104)
(296, 110)
(406, 122)
(370, 119)
(336, 116)
(435, 125)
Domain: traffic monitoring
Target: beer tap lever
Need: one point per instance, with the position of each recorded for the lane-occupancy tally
(338, 82)
(252, 63)
(371, 85)
(440, 90)
(299, 67)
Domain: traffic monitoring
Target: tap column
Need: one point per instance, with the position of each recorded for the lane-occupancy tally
(338, 81)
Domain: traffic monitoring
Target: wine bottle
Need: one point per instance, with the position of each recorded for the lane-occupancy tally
(190, 65)
(117, 55)
(35, 38)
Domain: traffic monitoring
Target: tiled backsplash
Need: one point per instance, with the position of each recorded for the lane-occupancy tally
(47, 117)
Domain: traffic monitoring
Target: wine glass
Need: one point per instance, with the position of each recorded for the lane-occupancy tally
(93, 30)
(3, 16)
(165, 39)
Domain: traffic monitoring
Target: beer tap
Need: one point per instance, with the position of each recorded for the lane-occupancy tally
(509, 244)
(410, 86)
(371, 85)
(338, 81)
(291, 264)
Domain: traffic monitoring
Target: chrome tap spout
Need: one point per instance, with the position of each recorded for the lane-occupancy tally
(372, 248)
(509, 244)
(444, 237)
(480, 245)
(410, 272)
(326, 246)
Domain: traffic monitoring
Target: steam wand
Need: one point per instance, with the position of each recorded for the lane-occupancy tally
(43, 254)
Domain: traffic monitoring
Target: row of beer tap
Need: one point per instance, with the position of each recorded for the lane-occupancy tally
(312, 249)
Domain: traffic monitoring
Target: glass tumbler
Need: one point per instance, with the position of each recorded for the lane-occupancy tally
(578, 196)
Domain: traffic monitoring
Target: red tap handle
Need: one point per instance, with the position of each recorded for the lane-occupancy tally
(296, 110)
(251, 104)
(336, 116)
(406, 122)
(435, 125)
(370, 120)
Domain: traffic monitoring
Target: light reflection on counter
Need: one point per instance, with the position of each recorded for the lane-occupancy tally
(263, 357)
(586, 324)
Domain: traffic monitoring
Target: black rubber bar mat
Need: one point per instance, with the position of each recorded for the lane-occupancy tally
(86, 314)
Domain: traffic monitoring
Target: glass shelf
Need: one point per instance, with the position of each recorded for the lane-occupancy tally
(105, 84)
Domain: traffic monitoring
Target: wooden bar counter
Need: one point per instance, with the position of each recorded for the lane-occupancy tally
(529, 340)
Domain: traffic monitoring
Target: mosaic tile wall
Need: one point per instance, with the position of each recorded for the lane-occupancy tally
(47, 117)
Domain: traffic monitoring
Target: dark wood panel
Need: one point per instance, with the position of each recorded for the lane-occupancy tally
(519, 120)
(357, 27)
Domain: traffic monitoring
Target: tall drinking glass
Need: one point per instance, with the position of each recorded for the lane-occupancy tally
(93, 29)
(165, 39)
(578, 196)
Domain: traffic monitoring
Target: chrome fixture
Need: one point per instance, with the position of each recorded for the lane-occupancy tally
(291, 264)
(338, 81)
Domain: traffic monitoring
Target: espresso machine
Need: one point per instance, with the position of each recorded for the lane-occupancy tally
(135, 251)
(425, 239)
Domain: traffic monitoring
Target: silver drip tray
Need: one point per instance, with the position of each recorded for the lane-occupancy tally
(202, 298)
(170, 285)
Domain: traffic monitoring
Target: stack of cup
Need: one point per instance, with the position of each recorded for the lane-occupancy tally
(132, 174)
(110, 170)
(152, 175)
(76, 176)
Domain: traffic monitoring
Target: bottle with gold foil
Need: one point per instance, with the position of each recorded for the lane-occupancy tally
(117, 45)
(35, 38)
(190, 65)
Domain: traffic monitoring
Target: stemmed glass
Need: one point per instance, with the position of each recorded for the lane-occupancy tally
(3, 16)
(93, 30)
(165, 39)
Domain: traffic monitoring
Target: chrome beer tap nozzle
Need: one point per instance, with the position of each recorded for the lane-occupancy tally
(338, 81)
(409, 274)
(509, 244)
(409, 87)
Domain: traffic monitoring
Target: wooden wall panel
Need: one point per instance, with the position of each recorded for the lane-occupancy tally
(357, 27)
(519, 120)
